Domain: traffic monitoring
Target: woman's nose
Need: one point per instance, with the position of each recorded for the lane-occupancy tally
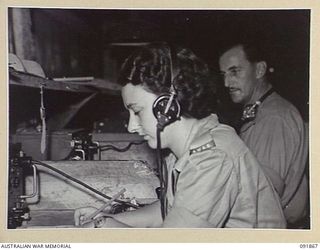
(133, 124)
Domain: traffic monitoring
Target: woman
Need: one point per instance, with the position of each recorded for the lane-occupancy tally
(215, 181)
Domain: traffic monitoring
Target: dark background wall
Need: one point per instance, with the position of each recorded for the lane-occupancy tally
(73, 42)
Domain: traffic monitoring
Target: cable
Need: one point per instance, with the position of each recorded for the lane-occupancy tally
(43, 119)
(112, 147)
(105, 148)
(82, 183)
(163, 176)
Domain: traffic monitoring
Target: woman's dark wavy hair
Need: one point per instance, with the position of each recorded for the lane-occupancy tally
(150, 66)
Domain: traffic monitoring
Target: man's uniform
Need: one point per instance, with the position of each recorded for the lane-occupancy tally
(278, 138)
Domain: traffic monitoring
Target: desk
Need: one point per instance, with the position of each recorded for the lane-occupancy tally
(59, 196)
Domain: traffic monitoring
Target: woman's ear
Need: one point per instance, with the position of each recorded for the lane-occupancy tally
(261, 69)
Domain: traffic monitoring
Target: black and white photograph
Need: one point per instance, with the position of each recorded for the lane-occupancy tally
(158, 118)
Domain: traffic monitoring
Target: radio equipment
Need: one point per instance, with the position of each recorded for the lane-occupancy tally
(19, 167)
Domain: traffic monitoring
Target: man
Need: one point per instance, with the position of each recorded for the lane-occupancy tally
(271, 126)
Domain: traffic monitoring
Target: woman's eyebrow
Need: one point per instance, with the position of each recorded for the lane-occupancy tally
(131, 105)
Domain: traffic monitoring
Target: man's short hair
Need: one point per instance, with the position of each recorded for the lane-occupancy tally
(255, 47)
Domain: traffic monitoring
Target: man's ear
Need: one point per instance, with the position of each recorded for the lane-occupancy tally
(261, 69)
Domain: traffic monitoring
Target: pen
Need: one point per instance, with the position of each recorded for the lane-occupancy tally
(103, 207)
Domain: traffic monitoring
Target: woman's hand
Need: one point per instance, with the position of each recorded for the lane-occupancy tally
(81, 219)
(147, 216)
(82, 214)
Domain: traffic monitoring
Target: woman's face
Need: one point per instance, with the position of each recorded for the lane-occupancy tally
(139, 103)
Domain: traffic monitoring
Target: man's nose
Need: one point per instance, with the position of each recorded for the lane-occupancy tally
(133, 124)
(227, 81)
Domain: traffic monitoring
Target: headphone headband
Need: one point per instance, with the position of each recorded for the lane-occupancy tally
(173, 65)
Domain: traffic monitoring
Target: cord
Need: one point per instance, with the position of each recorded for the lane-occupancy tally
(107, 147)
(112, 147)
(43, 119)
(163, 176)
(82, 183)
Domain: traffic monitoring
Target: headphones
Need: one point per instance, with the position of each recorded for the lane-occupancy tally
(166, 107)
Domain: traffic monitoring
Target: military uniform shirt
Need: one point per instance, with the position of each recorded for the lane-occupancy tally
(219, 183)
(279, 140)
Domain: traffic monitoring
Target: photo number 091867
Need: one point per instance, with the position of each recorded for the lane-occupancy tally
(309, 245)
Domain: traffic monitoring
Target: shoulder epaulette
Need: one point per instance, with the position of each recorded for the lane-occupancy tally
(205, 146)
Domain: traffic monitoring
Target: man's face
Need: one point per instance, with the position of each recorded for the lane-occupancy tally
(239, 75)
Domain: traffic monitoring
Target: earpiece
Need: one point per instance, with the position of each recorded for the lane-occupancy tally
(166, 108)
